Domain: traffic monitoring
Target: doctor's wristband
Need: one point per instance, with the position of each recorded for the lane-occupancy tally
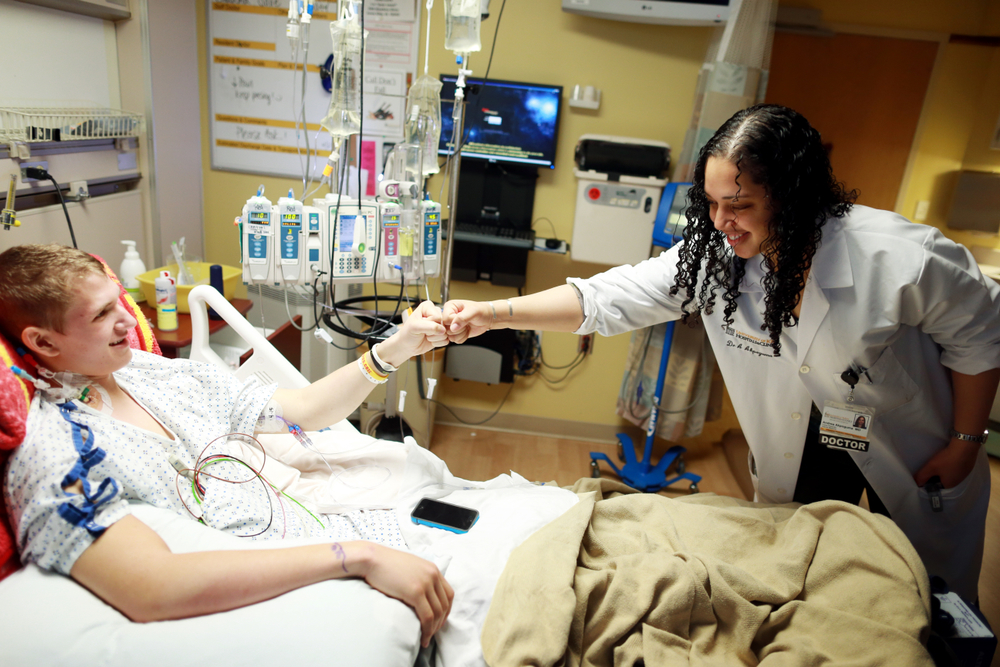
(980, 439)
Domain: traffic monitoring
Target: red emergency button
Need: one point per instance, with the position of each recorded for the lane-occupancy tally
(594, 193)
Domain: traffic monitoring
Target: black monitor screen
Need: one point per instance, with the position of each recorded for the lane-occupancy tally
(505, 121)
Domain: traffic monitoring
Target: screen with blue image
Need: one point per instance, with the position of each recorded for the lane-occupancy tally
(505, 121)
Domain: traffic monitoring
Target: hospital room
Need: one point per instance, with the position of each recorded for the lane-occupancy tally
(473, 332)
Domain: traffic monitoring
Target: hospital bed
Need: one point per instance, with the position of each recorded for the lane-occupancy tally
(518, 574)
(51, 620)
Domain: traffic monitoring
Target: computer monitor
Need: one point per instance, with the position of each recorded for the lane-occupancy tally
(505, 121)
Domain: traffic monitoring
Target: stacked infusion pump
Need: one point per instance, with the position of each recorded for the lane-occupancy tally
(619, 183)
(341, 240)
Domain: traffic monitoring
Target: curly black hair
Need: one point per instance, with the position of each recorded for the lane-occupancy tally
(780, 151)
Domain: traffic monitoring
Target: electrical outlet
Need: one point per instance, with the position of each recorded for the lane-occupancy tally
(586, 344)
(43, 164)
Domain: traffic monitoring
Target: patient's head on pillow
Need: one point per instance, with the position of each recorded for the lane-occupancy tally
(63, 307)
(36, 285)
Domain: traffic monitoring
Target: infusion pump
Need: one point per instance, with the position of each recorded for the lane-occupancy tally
(339, 240)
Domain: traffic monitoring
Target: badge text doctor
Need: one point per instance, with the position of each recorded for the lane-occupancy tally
(846, 425)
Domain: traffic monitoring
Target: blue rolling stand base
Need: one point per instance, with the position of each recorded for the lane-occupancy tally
(642, 474)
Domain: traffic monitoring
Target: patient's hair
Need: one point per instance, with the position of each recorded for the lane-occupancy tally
(36, 285)
(777, 148)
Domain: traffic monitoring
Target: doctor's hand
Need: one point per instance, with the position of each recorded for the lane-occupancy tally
(467, 319)
(414, 581)
(421, 332)
(952, 464)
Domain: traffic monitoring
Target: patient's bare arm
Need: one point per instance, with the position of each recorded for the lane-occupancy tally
(133, 570)
(336, 396)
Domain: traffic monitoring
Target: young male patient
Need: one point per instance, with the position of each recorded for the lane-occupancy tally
(104, 434)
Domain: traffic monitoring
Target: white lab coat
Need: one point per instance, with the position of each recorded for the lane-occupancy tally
(884, 293)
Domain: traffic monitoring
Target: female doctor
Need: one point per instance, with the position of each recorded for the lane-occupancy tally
(829, 312)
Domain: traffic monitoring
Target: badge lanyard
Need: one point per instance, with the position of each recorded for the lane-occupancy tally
(846, 426)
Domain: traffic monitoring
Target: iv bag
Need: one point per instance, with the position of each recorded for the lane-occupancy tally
(344, 117)
(423, 120)
(461, 25)
(403, 163)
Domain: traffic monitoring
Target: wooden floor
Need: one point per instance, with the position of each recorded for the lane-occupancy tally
(476, 453)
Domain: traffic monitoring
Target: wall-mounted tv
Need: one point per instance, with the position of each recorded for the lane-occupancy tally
(670, 12)
(505, 121)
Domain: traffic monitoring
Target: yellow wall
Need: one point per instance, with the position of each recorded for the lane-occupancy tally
(955, 115)
(648, 74)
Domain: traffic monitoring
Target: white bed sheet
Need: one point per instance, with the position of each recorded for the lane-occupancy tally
(51, 620)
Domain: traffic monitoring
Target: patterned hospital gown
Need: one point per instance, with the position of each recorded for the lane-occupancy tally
(118, 463)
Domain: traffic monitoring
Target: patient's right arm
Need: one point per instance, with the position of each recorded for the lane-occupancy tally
(132, 569)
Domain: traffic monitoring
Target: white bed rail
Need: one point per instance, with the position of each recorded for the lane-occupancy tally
(266, 362)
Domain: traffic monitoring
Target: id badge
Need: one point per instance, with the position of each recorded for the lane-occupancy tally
(846, 426)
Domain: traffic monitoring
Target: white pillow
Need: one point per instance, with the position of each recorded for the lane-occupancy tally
(49, 619)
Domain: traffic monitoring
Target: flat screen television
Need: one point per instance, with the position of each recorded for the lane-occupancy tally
(668, 12)
(505, 121)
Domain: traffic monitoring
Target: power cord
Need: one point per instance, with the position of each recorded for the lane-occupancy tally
(40, 174)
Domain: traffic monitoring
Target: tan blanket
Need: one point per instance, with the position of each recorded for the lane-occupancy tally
(625, 578)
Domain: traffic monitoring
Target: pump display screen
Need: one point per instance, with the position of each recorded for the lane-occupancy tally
(260, 217)
(347, 223)
(505, 121)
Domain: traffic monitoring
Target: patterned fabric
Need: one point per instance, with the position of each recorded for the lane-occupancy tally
(199, 405)
(15, 398)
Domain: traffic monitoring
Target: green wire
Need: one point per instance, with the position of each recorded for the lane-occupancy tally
(277, 491)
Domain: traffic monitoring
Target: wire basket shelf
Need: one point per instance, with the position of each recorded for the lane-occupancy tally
(62, 124)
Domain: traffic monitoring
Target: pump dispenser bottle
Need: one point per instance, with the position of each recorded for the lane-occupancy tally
(128, 274)
(166, 302)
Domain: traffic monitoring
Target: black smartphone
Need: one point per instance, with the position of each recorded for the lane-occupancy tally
(434, 513)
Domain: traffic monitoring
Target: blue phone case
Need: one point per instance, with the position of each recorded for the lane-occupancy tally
(450, 529)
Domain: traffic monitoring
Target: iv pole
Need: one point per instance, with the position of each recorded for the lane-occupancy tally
(458, 118)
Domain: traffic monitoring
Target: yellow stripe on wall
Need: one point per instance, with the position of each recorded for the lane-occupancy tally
(269, 11)
(266, 122)
(244, 44)
(257, 62)
(246, 145)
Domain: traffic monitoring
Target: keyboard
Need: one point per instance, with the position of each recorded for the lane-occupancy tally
(490, 235)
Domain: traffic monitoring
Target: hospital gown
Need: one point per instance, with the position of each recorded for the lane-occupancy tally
(118, 463)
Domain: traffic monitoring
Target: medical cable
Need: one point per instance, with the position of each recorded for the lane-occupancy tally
(291, 320)
(41, 174)
(198, 489)
(479, 423)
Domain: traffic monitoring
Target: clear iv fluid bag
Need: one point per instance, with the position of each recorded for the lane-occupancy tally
(423, 120)
(344, 117)
(461, 25)
(403, 163)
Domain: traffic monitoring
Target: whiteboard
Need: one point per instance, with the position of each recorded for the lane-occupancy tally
(255, 91)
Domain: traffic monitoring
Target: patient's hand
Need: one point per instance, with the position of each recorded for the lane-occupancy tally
(421, 332)
(467, 319)
(413, 580)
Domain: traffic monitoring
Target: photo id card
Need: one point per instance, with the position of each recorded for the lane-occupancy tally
(846, 426)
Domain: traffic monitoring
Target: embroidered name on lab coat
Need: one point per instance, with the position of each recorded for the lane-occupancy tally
(745, 342)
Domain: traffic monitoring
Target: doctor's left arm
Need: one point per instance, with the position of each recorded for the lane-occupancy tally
(337, 395)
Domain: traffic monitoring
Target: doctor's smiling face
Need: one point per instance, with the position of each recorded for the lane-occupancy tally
(738, 206)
